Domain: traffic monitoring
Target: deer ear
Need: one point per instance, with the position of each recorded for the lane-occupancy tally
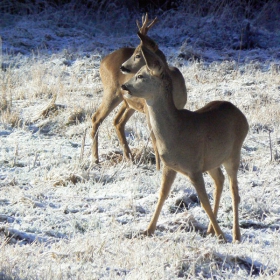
(153, 62)
(148, 42)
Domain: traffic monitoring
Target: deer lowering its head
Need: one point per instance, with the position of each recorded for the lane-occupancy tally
(114, 74)
(191, 142)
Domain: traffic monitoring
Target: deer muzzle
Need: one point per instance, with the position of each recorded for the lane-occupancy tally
(124, 87)
(127, 93)
(124, 70)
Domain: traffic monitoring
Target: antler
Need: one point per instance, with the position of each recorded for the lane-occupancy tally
(144, 28)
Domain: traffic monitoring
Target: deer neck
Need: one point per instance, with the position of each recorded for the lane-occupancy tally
(161, 55)
(164, 116)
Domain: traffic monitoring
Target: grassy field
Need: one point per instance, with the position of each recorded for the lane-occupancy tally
(63, 218)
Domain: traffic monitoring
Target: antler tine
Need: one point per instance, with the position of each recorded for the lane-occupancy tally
(145, 27)
(144, 23)
(138, 25)
(145, 20)
(152, 23)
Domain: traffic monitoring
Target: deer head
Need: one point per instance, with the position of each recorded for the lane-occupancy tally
(149, 80)
(136, 61)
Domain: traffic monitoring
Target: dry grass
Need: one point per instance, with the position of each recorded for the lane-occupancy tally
(90, 243)
(63, 218)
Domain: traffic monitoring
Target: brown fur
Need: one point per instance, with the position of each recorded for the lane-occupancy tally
(191, 142)
(112, 79)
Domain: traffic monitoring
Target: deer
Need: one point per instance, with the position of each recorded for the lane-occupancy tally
(191, 142)
(113, 74)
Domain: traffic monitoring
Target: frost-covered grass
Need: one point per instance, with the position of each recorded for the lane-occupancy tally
(61, 218)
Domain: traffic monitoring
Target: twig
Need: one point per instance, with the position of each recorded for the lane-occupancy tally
(83, 145)
(21, 235)
(6, 182)
(1, 57)
(240, 48)
(15, 155)
(270, 145)
(34, 161)
(51, 106)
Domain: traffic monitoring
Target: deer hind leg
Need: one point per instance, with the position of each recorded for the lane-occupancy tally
(153, 138)
(120, 120)
(198, 182)
(219, 178)
(168, 177)
(105, 108)
(231, 167)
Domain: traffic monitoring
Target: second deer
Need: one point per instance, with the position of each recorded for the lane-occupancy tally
(191, 142)
(112, 78)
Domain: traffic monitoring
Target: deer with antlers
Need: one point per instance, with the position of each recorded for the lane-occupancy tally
(190, 142)
(114, 72)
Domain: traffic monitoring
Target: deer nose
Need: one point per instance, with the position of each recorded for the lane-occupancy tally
(124, 87)
(124, 70)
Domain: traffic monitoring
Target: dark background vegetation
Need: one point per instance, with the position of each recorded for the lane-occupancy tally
(230, 24)
(246, 8)
(233, 24)
(262, 12)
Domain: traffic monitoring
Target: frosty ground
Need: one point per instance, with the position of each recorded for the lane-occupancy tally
(63, 218)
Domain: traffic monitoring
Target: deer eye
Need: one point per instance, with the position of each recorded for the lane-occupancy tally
(139, 76)
(137, 56)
